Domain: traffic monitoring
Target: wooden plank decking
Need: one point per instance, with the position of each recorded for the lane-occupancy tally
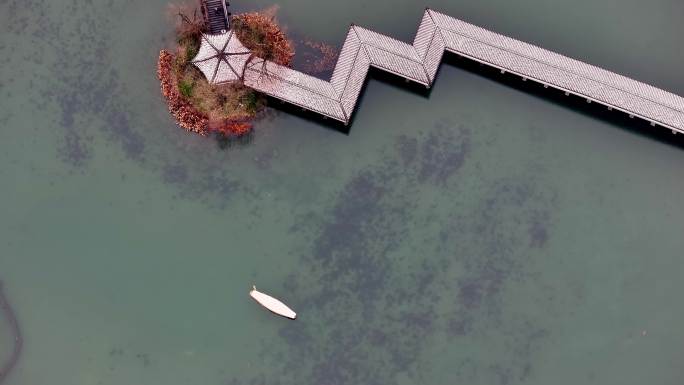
(419, 62)
(216, 14)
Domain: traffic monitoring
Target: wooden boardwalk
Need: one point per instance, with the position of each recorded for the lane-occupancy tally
(419, 62)
(216, 15)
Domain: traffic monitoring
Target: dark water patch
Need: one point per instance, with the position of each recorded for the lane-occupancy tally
(118, 125)
(425, 275)
(436, 156)
(175, 173)
(81, 81)
(502, 375)
(76, 149)
(538, 230)
(523, 342)
(460, 324)
(215, 188)
(364, 227)
(202, 177)
(352, 259)
(492, 242)
(377, 301)
(496, 229)
(5, 118)
(407, 148)
(15, 18)
(222, 186)
(526, 346)
(470, 293)
(443, 152)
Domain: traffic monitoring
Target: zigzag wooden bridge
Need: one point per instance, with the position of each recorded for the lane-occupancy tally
(419, 63)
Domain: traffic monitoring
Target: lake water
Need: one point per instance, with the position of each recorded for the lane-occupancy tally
(488, 232)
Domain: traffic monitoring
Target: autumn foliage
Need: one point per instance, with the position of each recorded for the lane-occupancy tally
(259, 32)
(231, 128)
(319, 57)
(185, 113)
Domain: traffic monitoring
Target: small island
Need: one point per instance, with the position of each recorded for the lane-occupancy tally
(225, 110)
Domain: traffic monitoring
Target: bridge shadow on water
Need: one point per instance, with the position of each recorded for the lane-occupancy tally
(394, 81)
(575, 103)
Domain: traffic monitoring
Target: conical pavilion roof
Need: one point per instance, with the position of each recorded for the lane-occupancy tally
(221, 58)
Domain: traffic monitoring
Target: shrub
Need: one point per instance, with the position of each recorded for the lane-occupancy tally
(260, 33)
(185, 88)
(185, 113)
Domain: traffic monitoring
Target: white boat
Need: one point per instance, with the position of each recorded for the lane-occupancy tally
(272, 304)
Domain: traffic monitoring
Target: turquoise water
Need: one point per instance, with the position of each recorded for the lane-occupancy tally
(486, 233)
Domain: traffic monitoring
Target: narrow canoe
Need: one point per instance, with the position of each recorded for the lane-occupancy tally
(272, 304)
